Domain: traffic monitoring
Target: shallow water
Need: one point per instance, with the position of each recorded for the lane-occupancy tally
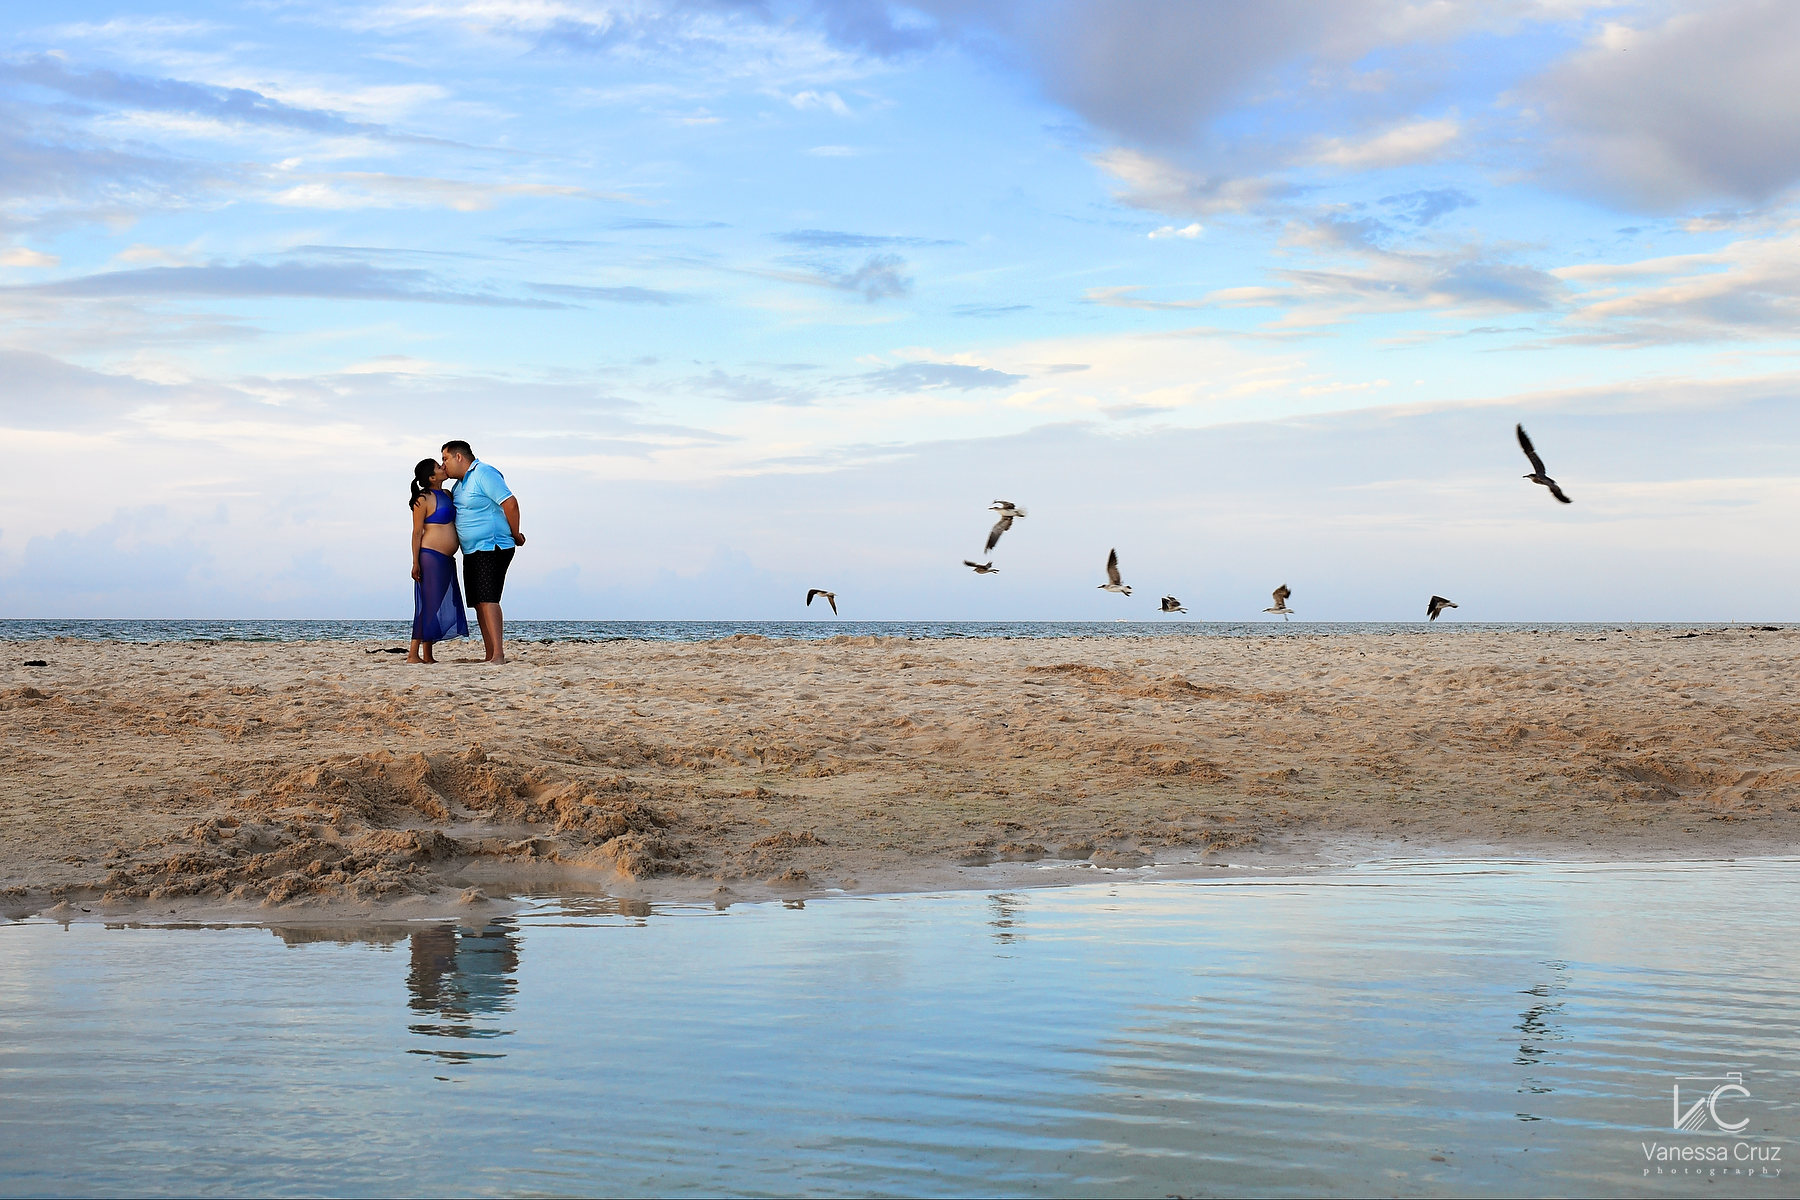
(699, 631)
(1488, 1028)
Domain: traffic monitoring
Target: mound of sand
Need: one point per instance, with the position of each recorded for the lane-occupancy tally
(308, 773)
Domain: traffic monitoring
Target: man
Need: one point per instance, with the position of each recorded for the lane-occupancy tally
(487, 525)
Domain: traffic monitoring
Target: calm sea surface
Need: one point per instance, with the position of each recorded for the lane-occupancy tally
(1411, 1028)
(698, 631)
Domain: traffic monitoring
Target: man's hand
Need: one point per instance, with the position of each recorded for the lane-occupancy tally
(510, 506)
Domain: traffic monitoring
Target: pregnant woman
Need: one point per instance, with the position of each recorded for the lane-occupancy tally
(437, 600)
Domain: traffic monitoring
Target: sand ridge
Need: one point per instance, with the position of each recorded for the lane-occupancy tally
(300, 774)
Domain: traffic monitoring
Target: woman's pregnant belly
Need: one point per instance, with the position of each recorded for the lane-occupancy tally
(441, 538)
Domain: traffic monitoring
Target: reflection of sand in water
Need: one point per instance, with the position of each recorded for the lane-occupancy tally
(460, 975)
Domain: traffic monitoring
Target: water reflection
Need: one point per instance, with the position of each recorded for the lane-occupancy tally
(1355, 1033)
(1007, 924)
(1538, 1028)
(464, 978)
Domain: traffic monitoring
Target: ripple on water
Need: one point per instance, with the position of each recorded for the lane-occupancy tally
(1417, 1027)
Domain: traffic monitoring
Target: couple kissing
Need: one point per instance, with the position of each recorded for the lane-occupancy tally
(481, 518)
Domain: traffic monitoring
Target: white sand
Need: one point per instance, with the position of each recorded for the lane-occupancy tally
(313, 774)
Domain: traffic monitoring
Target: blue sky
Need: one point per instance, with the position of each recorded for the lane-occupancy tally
(746, 298)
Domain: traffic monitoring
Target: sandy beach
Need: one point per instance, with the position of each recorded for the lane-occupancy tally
(322, 777)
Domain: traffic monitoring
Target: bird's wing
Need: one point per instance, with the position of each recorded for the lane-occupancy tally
(1537, 464)
(1000, 527)
(967, 563)
(810, 593)
(832, 597)
(1281, 594)
(1558, 492)
(1112, 567)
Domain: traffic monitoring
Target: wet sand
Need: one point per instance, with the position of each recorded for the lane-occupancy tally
(318, 778)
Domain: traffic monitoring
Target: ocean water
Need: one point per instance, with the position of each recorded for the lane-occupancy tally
(1413, 1028)
(699, 631)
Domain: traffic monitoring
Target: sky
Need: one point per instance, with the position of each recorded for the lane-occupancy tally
(747, 298)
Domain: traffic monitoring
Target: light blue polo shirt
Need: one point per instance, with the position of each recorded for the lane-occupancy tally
(480, 525)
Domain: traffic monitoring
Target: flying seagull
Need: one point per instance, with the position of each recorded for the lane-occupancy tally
(1009, 512)
(831, 598)
(1537, 467)
(1171, 604)
(1437, 605)
(1112, 583)
(986, 568)
(1281, 594)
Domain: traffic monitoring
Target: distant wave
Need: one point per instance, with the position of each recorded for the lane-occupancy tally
(701, 631)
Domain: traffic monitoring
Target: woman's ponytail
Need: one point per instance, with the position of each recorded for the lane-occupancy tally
(421, 481)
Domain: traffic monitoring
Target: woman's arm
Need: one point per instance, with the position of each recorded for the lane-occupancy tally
(418, 511)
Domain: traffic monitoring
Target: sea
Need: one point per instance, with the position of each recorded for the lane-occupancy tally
(700, 631)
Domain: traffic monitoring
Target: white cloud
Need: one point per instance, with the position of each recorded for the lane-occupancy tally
(376, 189)
(1161, 186)
(829, 101)
(24, 256)
(1403, 145)
(1169, 231)
(1747, 289)
(143, 254)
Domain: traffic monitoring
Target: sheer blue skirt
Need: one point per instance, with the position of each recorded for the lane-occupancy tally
(437, 599)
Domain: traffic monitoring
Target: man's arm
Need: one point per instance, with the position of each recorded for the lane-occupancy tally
(510, 506)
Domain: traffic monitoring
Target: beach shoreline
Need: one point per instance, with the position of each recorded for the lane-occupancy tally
(319, 781)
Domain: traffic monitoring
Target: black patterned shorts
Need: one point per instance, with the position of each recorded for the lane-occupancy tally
(484, 575)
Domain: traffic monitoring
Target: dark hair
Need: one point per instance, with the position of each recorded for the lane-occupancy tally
(421, 481)
(461, 448)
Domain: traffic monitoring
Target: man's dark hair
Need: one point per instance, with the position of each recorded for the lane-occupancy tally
(462, 448)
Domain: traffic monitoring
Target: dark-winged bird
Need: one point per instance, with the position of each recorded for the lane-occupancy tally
(830, 598)
(1537, 467)
(1437, 605)
(1009, 512)
(1113, 583)
(1281, 594)
(1171, 604)
(986, 568)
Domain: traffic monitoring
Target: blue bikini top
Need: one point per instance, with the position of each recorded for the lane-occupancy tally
(445, 513)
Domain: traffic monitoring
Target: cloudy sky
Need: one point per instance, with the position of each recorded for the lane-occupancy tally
(750, 297)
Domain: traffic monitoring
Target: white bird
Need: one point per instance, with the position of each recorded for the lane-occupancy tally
(986, 568)
(1281, 594)
(1437, 605)
(1112, 583)
(1009, 512)
(1171, 604)
(830, 597)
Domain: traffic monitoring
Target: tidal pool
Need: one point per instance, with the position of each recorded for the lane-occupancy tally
(1410, 1027)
